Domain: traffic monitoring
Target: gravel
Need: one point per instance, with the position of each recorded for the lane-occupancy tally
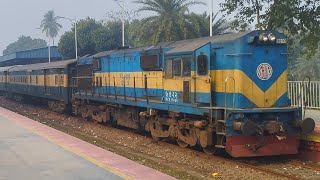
(182, 163)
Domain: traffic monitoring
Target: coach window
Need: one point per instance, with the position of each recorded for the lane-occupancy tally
(97, 81)
(202, 65)
(56, 80)
(62, 80)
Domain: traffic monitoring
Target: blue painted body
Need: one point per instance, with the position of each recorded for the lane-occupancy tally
(236, 54)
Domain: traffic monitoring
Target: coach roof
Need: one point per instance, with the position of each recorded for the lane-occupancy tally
(40, 66)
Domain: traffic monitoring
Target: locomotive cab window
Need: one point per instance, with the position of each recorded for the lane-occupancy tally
(168, 72)
(202, 65)
(178, 67)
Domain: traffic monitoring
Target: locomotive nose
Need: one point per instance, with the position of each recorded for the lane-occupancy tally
(307, 125)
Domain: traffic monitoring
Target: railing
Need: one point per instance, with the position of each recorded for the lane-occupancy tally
(304, 93)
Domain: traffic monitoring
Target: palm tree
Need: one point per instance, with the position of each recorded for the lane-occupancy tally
(50, 26)
(200, 25)
(170, 22)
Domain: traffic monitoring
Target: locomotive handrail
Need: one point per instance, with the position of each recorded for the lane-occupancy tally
(304, 100)
(210, 100)
(225, 93)
(146, 87)
(239, 54)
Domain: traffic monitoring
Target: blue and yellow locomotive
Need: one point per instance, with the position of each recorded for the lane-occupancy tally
(223, 92)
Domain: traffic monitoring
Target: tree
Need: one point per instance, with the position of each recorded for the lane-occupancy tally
(198, 25)
(24, 43)
(50, 26)
(85, 29)
(93, 37)
(170, 22)
(86, 45)
(291, 16)
(308, 66)
(109, 36)
(66, 45)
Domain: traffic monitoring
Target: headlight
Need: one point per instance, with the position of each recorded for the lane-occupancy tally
(263, 38)
(272, 37)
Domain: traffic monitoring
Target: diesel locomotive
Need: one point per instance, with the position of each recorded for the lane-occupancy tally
(223, 92)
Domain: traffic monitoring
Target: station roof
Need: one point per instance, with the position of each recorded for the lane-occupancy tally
(29, 56)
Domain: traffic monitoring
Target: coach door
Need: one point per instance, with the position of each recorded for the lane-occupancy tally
(46, 81)
(202, 79)
(5, 79)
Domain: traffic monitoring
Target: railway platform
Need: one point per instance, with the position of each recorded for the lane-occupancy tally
(31, 150)
(310, 145)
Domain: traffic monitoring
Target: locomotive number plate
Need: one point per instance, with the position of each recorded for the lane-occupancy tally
(264, 71)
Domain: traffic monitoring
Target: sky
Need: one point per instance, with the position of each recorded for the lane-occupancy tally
(23, 17)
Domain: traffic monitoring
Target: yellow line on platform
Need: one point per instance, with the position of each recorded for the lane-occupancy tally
(84, 156)
(312, 138)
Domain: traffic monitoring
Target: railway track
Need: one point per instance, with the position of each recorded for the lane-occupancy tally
(263, 169)
(309, 165)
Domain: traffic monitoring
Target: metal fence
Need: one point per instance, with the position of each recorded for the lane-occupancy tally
(304, 93)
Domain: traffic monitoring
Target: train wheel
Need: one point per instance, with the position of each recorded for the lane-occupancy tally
(182, 144)
(210, 150)
(155, 139)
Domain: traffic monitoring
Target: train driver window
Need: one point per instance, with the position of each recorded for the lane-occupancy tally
(186, 67)
(177, 67)
(168, 72)
(202, 65)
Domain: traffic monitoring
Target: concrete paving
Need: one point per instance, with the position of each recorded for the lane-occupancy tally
(25, 155)
(32, 150)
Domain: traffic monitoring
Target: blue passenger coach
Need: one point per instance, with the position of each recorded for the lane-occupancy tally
(48, 81)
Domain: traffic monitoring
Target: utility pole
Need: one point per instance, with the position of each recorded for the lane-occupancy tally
(211, 14)
(123, 13)
(74, 22)
(49, 48)
(122, 17)
(75, 36)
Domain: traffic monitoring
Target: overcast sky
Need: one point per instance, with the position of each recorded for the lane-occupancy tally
(23, 17)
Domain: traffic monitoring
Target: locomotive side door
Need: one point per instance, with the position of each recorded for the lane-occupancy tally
(201, 75)
(178, 79)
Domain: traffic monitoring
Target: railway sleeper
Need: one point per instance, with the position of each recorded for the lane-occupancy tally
(57, 106)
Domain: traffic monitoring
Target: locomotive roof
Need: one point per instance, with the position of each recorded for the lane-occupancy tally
(188, 45)
(191, 45)
(40, 66)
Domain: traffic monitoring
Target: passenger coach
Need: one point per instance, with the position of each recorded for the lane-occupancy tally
(46, 81)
